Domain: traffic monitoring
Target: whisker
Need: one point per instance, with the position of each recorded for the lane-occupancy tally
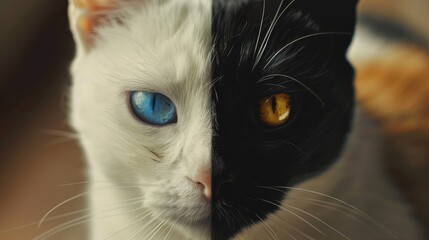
(298, 148)
(46, 220)
(302, 38)
(259, 55)
(59, 133)
(276, 188)
(65, 215)
(325, 205)
(135, 233)
(140, 218)
(371, 219)
(288, 233)
(295, 80)
(231, 213)
(246, 209)
(78, 221)
(156, 229)
(59, 205)
(270, 30)
(211, 84)
(76, 197)
(318, 219)
(63, 136)
(171, 228)
(260, 26)
(275, 85)
(295, 214)
(59, 141)
(293, 228)
(62, 227)
(253, 222)
(224, 214)
(113, 182)
(270, 230)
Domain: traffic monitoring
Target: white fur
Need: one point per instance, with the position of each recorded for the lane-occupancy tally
(163, 46)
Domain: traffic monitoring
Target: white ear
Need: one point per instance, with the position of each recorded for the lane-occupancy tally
(85, 16)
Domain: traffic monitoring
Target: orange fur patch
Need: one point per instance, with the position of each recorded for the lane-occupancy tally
(396, 91)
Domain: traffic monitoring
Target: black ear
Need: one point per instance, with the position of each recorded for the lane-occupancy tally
(332, 15)
(335, 15)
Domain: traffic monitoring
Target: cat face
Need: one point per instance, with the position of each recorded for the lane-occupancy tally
(262, 95)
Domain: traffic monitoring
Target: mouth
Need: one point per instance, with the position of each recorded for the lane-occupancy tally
(190, 216)
(229, 218)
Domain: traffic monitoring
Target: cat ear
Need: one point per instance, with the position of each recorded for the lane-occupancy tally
(333, 16)
(85, 16)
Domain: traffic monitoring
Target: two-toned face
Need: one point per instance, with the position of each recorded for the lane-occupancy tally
(217, 104)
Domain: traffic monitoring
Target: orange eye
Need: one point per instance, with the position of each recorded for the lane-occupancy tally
(275, 109)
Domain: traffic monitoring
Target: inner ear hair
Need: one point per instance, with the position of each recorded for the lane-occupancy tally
(87, 15)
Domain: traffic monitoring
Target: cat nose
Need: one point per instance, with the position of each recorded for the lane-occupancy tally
(205, 181)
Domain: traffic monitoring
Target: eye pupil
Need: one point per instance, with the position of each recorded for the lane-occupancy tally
(153, 108)
(274, 104)
(153, 102)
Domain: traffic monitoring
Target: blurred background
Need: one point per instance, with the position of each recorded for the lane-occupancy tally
(41, 164)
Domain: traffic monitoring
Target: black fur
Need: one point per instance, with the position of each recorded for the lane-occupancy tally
(246, 153)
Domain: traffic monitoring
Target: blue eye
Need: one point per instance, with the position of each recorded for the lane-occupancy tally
(153, 108)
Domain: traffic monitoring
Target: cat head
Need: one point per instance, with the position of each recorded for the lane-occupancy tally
(252, 95)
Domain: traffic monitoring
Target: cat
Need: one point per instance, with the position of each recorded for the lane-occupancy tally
(227, 120)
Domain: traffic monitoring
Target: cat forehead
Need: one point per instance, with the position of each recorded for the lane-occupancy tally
(158, 40)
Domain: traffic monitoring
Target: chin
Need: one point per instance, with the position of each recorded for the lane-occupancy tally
(196, 230)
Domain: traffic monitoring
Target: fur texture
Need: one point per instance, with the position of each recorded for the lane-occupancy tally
(140, 170)
(308, 179)
(260, 53)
